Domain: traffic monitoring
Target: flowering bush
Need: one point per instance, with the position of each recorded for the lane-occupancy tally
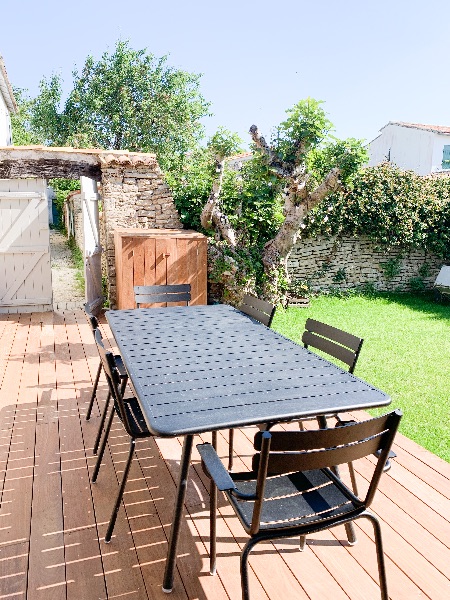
(394, 208)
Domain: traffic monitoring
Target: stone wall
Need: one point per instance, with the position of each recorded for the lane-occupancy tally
(134, 194)
(346, 263)
(74, 217)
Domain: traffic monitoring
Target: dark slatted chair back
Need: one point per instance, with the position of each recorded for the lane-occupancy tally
(112, 376)
(129, 412)
(294, 487)
(292, 451)
(113, 379)
(261, 310)
(169, 294)
(334, 342)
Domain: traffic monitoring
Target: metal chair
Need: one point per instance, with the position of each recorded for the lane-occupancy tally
(261, 311)
(151, 294)
(293, 489)
(130, 414)
(334, 342)
(341, 345)
(93, 322)
(346, 348)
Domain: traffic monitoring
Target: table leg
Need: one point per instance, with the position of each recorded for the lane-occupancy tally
(177, 514)
(349, 529)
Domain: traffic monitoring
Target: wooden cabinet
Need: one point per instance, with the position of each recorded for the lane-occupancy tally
(158, 257)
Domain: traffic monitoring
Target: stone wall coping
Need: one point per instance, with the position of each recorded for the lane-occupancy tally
(165, 233)
(91, 155)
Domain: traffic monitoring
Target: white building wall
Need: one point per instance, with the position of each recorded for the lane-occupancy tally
(439, 142)
(5, 124)
(406, 147)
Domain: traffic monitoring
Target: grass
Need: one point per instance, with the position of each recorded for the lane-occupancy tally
(78, 263)
(406, 353)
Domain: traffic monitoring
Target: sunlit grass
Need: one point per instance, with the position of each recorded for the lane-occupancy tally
(406, 353)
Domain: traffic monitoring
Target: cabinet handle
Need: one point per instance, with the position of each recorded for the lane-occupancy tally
(166, 254)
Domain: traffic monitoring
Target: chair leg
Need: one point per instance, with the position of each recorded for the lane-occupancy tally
(230, 449)
(94, 392)
(380, 555)
(302, 542)
(213, 517)
(112, 521)
(101, 425)
(103, 446)
(353, 478)
(105, 412)
(244, 568)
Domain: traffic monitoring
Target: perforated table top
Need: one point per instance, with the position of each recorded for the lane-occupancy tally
(204, 368)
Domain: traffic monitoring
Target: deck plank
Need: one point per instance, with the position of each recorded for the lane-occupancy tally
(84, 569)
(45, 579)
(53, 519)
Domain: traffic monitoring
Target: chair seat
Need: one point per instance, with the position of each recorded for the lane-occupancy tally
(120, 366)
(136, 419)
(310, 495)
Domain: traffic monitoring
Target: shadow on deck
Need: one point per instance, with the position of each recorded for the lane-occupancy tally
(53, 519)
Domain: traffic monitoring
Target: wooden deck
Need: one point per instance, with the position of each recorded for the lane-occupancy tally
(53, 519)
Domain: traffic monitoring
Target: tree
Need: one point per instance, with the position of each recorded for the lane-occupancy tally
(22, 133)
(308, 165)
(127, 100)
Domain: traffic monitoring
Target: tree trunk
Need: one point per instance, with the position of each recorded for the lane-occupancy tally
(276, 252)
(212, 217)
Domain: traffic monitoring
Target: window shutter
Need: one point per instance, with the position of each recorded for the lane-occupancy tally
(446, 157)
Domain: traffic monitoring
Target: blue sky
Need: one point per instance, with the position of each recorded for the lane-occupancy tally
(371, 62)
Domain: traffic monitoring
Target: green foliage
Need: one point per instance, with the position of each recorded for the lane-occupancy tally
(306, 125)
(424, 270)
(250, 196)
(392, 356)
(417, 284)
(78, 263)
(253, 204)
(394, 208)
(46, 121)
(307, 129)
(348, 155)
(127, 100)
(299, 289)
(391, 268)
(22, 131)
(62, 188)
(224, 143)
(340, 276)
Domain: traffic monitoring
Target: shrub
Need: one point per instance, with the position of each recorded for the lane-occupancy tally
(395, 209)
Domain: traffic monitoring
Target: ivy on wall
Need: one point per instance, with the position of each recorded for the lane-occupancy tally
(394, 208)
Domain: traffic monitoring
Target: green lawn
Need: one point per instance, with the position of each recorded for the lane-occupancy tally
(406, 353)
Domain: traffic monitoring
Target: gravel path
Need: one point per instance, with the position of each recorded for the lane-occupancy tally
(66, 292)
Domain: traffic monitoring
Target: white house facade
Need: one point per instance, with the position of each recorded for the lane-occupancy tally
(7, 106)
(424, 149)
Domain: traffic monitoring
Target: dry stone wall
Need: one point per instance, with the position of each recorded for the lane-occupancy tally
(134, 194)
(350, 262)
(74, 217)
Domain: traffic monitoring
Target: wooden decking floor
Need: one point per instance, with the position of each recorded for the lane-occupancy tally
(53, 519)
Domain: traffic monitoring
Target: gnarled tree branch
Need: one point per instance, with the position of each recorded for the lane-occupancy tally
(212, 217)
(281, 169)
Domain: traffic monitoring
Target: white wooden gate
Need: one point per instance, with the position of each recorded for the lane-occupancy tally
(25, 270)
(92, 247)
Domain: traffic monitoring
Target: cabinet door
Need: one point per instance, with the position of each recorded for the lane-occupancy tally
(161, 261)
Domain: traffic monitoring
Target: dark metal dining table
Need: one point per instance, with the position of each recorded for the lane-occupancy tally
(199, 369)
